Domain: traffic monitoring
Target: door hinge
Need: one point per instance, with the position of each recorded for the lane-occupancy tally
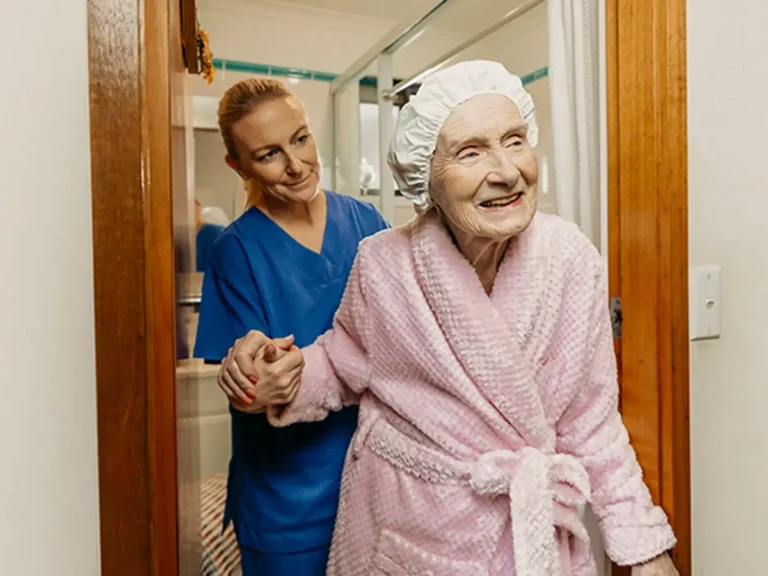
(616, 318)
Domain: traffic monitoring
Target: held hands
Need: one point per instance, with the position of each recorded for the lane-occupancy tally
(659, 566)
(259, 372)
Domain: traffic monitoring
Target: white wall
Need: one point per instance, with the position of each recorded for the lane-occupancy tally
(48, 486)
(728, 203)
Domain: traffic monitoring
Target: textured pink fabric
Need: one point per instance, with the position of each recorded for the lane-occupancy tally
(486, 422)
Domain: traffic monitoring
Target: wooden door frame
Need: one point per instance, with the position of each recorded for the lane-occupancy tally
(129, 53)
(648, 243)
(131, 61)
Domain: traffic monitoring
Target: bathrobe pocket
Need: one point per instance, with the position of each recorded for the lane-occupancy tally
(395, 556)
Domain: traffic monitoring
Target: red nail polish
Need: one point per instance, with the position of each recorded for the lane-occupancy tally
(253, 379)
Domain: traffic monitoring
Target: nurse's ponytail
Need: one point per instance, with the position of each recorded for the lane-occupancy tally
(238, 101)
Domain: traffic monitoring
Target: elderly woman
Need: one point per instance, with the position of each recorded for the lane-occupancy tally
(477, 342)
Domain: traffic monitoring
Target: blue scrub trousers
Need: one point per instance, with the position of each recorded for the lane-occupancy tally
(311, 563)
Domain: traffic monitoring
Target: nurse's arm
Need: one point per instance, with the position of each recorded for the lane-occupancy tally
(337, 367)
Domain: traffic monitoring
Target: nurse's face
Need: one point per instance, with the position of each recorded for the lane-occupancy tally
(277, 150)
(484, 170)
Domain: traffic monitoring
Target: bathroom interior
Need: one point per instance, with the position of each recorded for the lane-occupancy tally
(338, 57)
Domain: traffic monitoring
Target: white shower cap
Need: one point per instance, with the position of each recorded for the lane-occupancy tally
(421, 119)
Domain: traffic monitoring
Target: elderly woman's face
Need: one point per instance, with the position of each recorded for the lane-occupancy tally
(484, 171)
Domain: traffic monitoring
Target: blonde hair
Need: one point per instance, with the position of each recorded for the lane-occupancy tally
(240, 100)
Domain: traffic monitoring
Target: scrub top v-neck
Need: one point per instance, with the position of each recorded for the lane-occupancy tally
(283, 482)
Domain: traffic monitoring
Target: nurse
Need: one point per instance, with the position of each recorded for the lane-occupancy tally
(281, 268)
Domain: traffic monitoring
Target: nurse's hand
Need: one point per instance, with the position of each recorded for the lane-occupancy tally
(238, 375)
(660, 566)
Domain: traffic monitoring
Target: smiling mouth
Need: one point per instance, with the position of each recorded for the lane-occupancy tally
(502, 202)
(299, 184)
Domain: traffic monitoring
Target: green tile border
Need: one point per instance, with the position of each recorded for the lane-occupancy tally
(535, 75)
(285, 72)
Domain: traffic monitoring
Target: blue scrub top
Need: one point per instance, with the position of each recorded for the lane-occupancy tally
(283, 482)
(204, 241)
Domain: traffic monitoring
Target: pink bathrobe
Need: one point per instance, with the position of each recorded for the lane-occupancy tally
(486, 423)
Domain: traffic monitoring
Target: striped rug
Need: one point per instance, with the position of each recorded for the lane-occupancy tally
(220, 554)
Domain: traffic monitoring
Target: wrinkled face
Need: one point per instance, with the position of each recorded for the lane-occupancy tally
(484, 171)
(276, 148)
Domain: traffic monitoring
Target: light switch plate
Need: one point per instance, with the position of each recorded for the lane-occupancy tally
(704, 303)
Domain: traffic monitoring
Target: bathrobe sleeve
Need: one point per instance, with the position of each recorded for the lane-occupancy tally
(591, 429)
(337, 368)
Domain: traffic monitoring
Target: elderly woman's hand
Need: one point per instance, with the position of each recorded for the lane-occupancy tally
(279, 375)
(238, 373)
(659, 566)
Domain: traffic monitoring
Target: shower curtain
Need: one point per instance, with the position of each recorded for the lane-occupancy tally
(574, 92)
(575, 100)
